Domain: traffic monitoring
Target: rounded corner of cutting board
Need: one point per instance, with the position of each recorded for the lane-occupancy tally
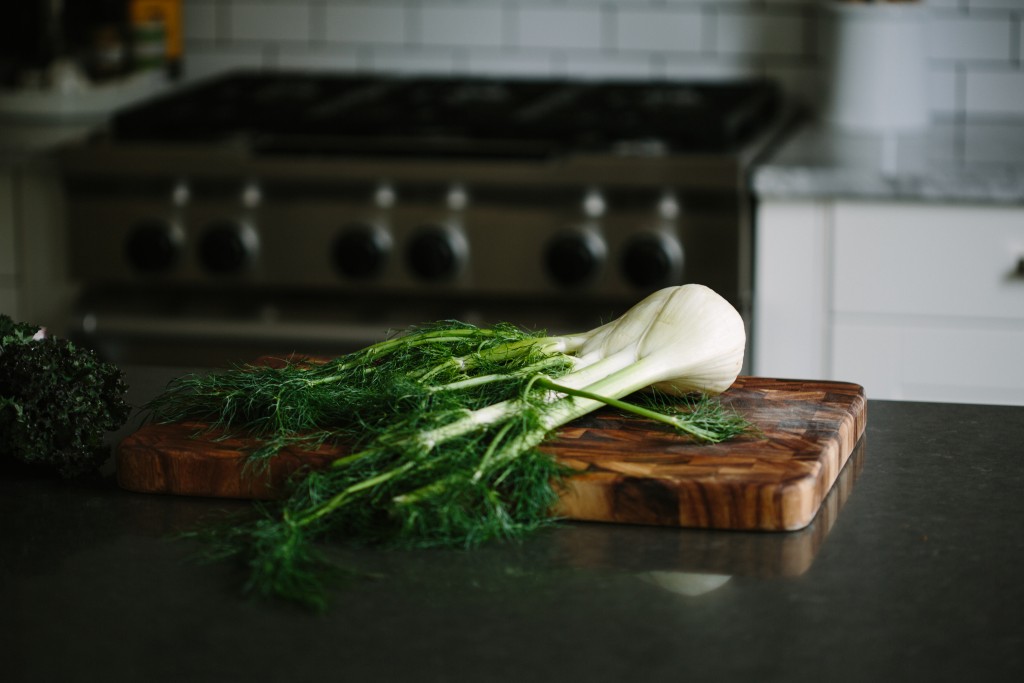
(799, 501)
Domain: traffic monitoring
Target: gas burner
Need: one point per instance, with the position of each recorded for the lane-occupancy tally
(357, 114)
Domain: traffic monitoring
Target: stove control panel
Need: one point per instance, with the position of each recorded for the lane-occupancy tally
(573, 240)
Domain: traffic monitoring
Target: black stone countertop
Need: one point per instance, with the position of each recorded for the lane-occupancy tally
(912, 571)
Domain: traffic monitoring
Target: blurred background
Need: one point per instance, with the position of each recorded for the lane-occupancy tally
(82, 174)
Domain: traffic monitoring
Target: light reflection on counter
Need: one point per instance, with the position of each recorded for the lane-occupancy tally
(701, 561)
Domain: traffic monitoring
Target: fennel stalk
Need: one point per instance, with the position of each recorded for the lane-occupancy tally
(444, 424)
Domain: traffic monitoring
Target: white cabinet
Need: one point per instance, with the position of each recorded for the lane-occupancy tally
(916, 301)
(8, 286)
(34, 283)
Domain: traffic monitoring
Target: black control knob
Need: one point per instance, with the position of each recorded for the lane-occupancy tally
(153, 246)
(650, 261)
(435, 253)
(227, 247)
(573, 259)
(360, 251)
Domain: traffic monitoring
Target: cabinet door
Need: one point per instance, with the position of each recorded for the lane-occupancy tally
(928, 259)
(8, 299)
(927, 303)
(930, 360)
(791, 288)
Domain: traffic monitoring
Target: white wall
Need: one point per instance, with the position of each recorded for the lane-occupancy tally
(976, 47)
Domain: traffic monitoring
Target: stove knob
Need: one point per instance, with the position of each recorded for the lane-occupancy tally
(574, 259)
(153, 246)
(227, 247)
(436, 253)
(593, 205)
(360, 250)
(652, 260)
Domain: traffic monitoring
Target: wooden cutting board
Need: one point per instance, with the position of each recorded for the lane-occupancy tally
(630, 470)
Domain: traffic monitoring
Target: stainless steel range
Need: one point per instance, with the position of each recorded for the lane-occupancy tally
(279, 212)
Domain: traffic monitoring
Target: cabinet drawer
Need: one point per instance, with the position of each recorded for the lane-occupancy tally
(6, 224)
(9, 301)
(928, 260)
(931, 360)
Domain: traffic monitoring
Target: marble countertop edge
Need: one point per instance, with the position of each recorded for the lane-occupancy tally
(950, 161)
(989, 186)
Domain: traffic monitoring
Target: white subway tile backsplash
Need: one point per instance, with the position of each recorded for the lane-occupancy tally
(976, 48)
(659, 29)
(995, 93)
(366, 23)
(1019, 35)
(323, 58)
(461, 24)
(967, 38)
(210, 60)
(992, 4)
(993, 147)
(560, 26)
(269, 21)
(760, 33)
(944, 90)
(200, 21)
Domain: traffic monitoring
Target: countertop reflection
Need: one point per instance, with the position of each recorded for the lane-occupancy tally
(909, 570)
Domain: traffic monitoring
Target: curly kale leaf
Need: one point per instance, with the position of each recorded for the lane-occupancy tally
(57, 401)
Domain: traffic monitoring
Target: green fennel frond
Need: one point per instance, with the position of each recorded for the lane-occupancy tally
(441, 428)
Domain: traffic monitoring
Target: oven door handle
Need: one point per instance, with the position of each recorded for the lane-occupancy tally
(227, 331)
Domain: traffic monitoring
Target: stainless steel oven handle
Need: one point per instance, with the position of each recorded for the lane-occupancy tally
(221, 331)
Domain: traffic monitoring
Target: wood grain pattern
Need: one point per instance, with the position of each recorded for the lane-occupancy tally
(629, 470)
(632, 472)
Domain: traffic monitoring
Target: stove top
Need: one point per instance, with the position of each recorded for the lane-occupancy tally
(293, 113)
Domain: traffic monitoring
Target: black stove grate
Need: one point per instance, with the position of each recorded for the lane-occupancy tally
(334, 114)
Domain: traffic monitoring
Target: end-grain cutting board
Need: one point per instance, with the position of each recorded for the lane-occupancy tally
(629, 470)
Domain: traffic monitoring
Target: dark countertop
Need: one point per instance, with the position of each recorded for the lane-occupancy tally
(912, 571)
